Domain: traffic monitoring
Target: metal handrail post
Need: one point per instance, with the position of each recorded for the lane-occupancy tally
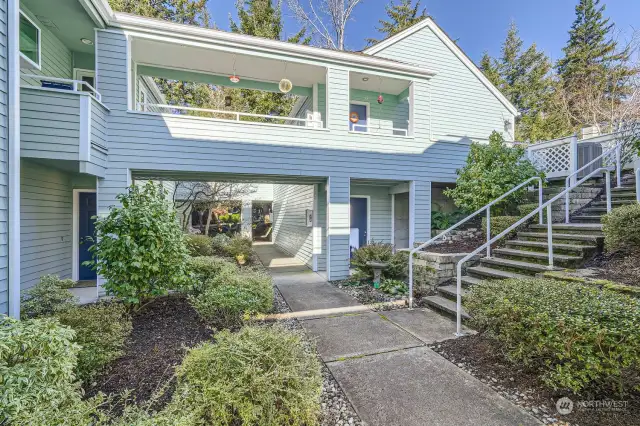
(549, 233)
(618, 168)
(489, 231)
(607, 179)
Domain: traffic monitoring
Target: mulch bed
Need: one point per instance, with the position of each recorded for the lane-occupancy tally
(464, 245)
(618, 266)
(481, 356)
(162, 330)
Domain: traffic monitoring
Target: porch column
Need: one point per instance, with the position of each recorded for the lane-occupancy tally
(338, 227)
(419, 212)
(246, 217)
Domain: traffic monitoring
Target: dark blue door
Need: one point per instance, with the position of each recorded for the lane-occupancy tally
(359, 218)
(86, 228)
(359, 111)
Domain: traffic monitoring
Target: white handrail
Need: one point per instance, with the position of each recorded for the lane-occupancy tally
(393, 129)
(638, 184)
(466, 219)
(76, 84)
(539, 211)
(601, 156)
(237, 114)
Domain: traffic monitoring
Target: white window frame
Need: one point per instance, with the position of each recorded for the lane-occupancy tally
(23, 57)
(368, 105)
(142, 93)
(78, 73)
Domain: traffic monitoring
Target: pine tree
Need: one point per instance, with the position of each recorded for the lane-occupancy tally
(192, 12)
(489, 67)
(401, 16)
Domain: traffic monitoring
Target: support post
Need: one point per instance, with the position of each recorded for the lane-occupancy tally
(618, 165)
(607, 179)
(489, 231)
(549, 234)
(573, 159)
(638, 184)
(338, 227)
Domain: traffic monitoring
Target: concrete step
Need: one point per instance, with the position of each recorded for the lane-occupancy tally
(560, 248)
(624, 188)
(614, 203)
(469, 281)
(587, 218)
(541, 257)
(623, 195)
(597, 210)
(516, 266)
(483, 272)
(572, 228)
(450, 291)
(444, 305)
(585, 239)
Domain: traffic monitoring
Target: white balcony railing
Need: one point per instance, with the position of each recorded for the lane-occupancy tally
(47, 82)
(243, 117)
(379, 130)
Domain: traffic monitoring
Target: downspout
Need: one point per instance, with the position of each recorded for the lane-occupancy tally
(13, 116)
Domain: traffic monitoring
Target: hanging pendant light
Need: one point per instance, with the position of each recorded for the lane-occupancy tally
(285, 84)
(234, 78)
(380, 98)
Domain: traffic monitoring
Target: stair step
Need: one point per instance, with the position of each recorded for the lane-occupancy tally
(587, 218)
(572, 227)
(538, 255)
(624, 188)
(596, 210)
(451, 291)
(595, 239)
(526, 267)
(488, 273)
(614, 203)
(445, 305)
(623, 195)
(543, 245)
(469, 281)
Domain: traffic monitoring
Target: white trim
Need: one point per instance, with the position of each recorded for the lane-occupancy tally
(368, 231)
(314, 100)
(430, 23)
(75, 255)
(99, 11)
(412, 213)
(412, 110)
(22, 55)
(78, 73)
(191, 35)
(13, 139)
(327, 189)
(363, 103)
(130, 83)
(84, 148)
(316, 232)
(95, 57)
(393, 220)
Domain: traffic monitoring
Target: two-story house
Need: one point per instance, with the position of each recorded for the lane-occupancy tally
(370, 134)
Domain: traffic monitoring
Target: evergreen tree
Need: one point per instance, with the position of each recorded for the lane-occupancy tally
(192, 12)
(401, 16)
(489, 67)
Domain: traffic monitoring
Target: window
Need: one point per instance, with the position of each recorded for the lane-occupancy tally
(88, 76)
(359, 117)
(29, 43)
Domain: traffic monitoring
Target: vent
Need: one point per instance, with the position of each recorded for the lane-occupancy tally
(47, 22)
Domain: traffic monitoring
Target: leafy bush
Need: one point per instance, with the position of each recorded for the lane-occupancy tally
(101, 331)
(239, 247)
(232, 295)
(229, 218)
(582, 338)
(394, 287)
(258, 376)
(205, 268)
(140, 249)
(491, 170)
(37, 382)
(199, 245)
(621, 228)
(49, 296)
(219, 244)
(381, 252)
(499, 224)
(444, 220)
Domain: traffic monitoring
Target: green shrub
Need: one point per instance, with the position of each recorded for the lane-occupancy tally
(239, 248)
(499, 224)
(37, 381)
(199, 245)
(101, 331)
(580, 337)
(220, 243)
(140, 249)
(259, 376)
(398, 263)
(444, 220)
(49, 296)
(232, 295)
(394, 287)
(205, 268)
(621, 228)
(491, 170)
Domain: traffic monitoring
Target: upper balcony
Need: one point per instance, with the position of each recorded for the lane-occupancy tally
(62, 118)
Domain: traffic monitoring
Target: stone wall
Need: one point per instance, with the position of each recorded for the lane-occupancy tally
(433, 269)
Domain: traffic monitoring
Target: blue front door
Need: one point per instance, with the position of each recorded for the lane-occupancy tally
(86, 228)
(359, 219)
(358, 112)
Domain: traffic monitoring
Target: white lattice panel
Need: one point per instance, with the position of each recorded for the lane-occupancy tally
(554, 160)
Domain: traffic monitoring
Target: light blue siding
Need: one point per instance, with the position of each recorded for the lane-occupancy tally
(290, 231)
(380, 210)
(99, 146)
(392, 113)
(321, 223)
(461, 104)
(4, 164)
(338, 227)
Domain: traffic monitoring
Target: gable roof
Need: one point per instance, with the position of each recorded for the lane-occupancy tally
(439, 32)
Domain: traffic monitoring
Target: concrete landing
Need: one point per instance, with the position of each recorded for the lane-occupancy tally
(278, 261)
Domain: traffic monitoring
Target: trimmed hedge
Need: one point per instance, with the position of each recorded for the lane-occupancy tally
(621, 228)
(581, 338)
(199, 245)
(205, 268)
(49, 296)
(499, 224)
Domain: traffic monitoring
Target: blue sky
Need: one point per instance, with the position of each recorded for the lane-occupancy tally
(478, 25)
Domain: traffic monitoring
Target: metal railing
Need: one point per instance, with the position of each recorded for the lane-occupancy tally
(148, 107)
(393, 130)
(466, 219)
(74, 85)
(507, 231)
(638, 184)
(616, 149)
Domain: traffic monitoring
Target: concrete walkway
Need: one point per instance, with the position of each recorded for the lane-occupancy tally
(380, 359)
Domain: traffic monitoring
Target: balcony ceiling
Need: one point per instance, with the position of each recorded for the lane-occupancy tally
(66, 19)
(374, 83)
(167, 55)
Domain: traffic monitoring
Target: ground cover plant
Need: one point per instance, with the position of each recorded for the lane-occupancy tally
(49, 296)
(398, 263)
(199, 245)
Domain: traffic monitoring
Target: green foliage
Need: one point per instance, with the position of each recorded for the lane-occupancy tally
(444, 220)
(101, 331)
(205, 268)
(220, 243)
(49, 296)
(499, 224)
(259, 376)
(581, 338)
(239, 247)
(394, 287)
(140, 249)
(491, 170)
(401, 16)
(199, 245)
(621, 228)
(37, 381)
(633, 291)
(381, 252)
(231, 296)
(229, 218)
(192, 12)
